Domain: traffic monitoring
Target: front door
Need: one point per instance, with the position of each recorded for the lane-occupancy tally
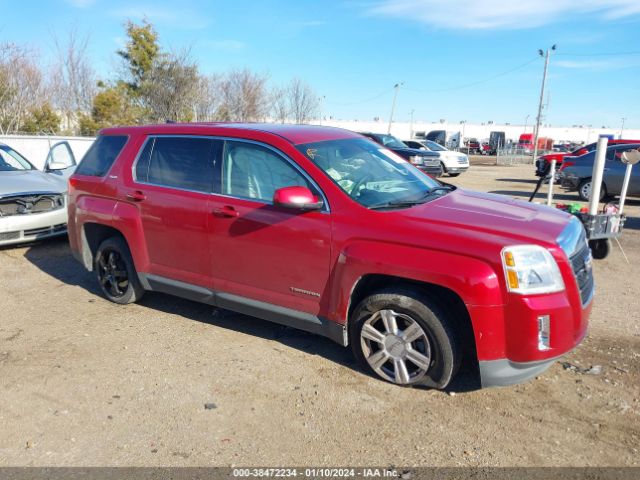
(173, 182)
(260, 251)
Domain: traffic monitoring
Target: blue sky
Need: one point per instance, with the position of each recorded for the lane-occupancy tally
(352, 52)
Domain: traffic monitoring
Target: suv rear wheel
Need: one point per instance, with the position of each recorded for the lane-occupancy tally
(116, 273)
(404, 337)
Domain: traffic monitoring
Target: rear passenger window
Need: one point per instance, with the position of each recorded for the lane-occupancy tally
(256, 172)
(179, 162)
(104, 151)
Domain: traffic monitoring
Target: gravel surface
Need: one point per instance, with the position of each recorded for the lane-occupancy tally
(169, 382)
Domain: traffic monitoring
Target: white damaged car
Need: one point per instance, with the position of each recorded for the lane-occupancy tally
(33, 203)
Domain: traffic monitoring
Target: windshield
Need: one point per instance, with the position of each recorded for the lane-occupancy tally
(11, 161)
(434, 147)
(390, 141)
(369, 174)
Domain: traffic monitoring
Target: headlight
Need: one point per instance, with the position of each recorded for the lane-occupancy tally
(531, 269)
(416, 160)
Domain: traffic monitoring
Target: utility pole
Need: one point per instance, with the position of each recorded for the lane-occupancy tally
(526, 122)
(411, 125)
(544, 81)
(622, 126)
(393, 105)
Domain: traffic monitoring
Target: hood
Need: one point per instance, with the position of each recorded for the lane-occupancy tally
(452, 154)
(486, 215)
(28, 181)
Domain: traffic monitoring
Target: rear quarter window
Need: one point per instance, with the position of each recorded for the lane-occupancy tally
(99, 158)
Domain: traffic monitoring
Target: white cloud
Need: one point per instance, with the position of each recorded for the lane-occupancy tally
(500, 14)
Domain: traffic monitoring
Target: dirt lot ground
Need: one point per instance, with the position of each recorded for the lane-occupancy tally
(85, 382)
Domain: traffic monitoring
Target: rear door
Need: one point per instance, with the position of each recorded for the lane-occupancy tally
(260, 251)
(173, 178)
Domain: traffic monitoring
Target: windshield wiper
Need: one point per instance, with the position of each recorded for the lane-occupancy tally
(411, 203)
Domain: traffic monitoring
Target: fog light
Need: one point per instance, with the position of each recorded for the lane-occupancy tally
(544, 326)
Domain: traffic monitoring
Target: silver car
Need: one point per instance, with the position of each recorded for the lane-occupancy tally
(33, 203)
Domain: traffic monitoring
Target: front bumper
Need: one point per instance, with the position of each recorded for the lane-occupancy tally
(502, 372)
(457, 169)
(17, 229)
(431, 170)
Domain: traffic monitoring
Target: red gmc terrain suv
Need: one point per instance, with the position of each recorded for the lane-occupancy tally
(324, 230)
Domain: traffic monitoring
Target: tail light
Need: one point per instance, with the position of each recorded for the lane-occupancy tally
(72, 184)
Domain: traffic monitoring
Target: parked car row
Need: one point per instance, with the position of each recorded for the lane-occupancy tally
(575, 173)
(428, 156)
(543, 162)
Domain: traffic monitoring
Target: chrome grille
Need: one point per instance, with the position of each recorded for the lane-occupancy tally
(27, 204)
(581, 266)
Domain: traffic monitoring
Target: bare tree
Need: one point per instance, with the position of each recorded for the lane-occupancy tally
(280, 108)
(73, 78)
(170, 89)
(207, 102)
(21, 86)
(243, 96)
(303, 102)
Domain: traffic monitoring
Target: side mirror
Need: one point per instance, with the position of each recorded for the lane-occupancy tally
(57, 166)
(297, 198)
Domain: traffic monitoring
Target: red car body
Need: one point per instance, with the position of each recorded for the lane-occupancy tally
(245, 249)
(545, 160)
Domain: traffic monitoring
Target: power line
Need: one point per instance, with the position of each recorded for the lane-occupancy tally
(460, 87)
(604, 54)
(363, 101)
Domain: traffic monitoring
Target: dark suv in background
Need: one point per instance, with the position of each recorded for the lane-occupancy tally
(426, 160)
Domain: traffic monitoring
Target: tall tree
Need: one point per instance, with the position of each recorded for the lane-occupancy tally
(140, 53)
(169, 91)
(73, 78)
(243, 96)
(303, 101)
(21, 86)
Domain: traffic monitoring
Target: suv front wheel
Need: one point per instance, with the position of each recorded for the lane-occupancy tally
(404, 337)
(116, 272)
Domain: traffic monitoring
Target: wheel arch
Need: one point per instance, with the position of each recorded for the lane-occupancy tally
(447, 299)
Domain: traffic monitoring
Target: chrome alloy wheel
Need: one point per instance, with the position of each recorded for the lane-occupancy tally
(396, 347)
(585, 190)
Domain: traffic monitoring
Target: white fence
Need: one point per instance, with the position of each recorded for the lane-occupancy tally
(35, 148)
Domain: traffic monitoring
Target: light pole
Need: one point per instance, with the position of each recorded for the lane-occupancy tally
(544, 81)
(526, 122)
(411, 124)
(622, 126)
(393, 105)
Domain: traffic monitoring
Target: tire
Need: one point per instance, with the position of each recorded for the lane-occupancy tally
(584, 190)
(116, 272)
(600, 248)
(454, 174)
(427, 355)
